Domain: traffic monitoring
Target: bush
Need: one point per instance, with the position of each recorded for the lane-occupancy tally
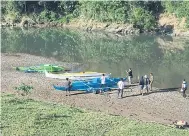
(47, 16)
(24, 88)
(142, 19)
(66, 19)
(44, 16)
(13, 17)
(52, 16)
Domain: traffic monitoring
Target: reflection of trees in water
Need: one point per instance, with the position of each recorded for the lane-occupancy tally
(81, 46)
(142, 53)
(78, 46)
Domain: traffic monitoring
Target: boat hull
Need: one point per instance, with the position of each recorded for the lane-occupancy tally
(76, 76)
(91, 86)
(40, 68)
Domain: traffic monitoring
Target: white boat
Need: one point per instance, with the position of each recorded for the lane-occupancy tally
(76, 76)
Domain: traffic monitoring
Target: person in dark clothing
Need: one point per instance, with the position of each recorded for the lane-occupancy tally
(68, 86)
(141, 85)
(130, 75)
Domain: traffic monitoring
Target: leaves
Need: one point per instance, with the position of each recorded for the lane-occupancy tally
(24, 88)
(140, 13)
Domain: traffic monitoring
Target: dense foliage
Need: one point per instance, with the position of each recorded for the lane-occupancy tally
(143, 14)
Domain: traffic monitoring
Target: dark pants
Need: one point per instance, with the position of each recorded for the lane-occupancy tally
(102, 85)
(184, 92)
(120, 91)
(68, 89)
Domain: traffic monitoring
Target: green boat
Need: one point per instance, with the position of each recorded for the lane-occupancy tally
(41, 68)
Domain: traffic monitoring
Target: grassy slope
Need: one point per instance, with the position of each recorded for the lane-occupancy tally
(28, 117)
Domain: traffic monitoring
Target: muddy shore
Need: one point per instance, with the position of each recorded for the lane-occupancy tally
(162, 106)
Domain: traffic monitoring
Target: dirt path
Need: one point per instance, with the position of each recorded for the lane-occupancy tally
(159, 106)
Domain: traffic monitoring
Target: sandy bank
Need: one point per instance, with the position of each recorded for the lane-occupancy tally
(159, 106)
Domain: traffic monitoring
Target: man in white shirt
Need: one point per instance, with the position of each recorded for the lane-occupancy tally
(103, 80)
(120, 85)
(184, 88)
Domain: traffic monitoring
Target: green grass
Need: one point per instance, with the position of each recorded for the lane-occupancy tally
(26, 117)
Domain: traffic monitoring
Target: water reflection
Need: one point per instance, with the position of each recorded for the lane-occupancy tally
(106, 52)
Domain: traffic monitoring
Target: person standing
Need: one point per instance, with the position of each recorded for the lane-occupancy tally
(103, 82)
(130, 75)
(184, 88)
(141, 85)
(151, 81)
(146, 83)
(68, 86)
(120, 88)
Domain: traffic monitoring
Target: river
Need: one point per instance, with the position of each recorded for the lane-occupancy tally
(166, 57)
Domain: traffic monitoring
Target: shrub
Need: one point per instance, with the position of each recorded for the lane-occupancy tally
(44, 16)
(66, 19)
(142, 19)
(52, 16)
(12, 17)
(24, 88)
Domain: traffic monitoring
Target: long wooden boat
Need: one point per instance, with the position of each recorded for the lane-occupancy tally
(41, 68)
(91, 85)
(76, 76)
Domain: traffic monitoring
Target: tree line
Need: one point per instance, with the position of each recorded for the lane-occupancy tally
(142, 14)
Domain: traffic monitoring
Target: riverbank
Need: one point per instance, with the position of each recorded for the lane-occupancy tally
(41, 118)
(162, 106)
(166, 26)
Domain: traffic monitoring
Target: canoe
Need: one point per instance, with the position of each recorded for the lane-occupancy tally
(41, 68)
(91, 85)
(76, 76)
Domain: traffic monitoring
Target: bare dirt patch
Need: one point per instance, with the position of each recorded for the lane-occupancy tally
(179, 25)
(158, 106)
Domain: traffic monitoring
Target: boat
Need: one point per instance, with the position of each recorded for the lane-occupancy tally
(41, 68)
(76, 76)
(91, 85)
(87, 89)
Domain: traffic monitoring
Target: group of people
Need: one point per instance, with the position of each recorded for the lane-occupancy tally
(145, 84)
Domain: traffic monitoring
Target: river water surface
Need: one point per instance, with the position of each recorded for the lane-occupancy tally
(166, 57)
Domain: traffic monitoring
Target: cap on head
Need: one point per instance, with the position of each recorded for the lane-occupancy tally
(66, 78)
(145, 76)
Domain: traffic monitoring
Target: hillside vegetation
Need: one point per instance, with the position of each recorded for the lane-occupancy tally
(143, 15)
